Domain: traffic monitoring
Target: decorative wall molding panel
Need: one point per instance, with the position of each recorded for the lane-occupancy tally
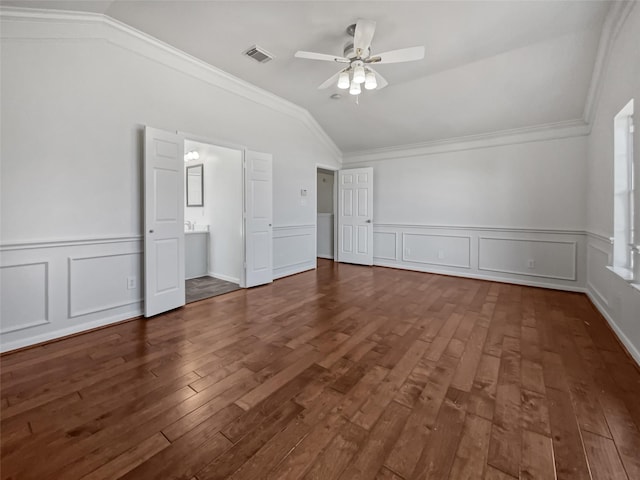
(294, 249)
(92, 26)
(597, 272)
(53, 289)
(437, 249)
(492, 253)
(99, 283)
(530, 257)
(25, 296)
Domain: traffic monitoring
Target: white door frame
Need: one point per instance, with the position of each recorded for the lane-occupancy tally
(243, 149)
(333, 169)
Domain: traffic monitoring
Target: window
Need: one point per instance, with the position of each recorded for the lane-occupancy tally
(626, 259)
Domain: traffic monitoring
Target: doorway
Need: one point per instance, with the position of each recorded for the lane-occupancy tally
(325, 205)
(165, 201)
(213, 221)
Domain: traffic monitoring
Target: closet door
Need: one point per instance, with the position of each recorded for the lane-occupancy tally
(355, 216)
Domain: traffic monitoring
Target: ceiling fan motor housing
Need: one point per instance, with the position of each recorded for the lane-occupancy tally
(350, 52)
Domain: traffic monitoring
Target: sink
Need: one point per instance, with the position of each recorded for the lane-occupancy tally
(197, 229)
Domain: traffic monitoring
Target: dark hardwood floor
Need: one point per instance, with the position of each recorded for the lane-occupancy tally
(345, 372)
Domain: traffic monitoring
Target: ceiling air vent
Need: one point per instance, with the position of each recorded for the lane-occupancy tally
(258, 54)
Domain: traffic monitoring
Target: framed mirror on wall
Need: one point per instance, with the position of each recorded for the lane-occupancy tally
(195, 186)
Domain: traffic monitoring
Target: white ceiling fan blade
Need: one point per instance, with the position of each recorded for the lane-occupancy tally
(382, 82)
(396, 56)
(330, 81)
(363, 36)
(321, 56)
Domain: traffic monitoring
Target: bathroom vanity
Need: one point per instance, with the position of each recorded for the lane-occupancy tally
(196, 245)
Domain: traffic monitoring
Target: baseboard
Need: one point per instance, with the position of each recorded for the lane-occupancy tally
(491, 278)
(227, 278)
(328, 257)
(293, 269)
(624, 340)
(69, 332)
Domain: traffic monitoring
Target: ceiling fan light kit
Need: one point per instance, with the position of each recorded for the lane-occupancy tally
(358, 55)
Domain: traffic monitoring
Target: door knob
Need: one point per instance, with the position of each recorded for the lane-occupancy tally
(369, 220)
(150, 231)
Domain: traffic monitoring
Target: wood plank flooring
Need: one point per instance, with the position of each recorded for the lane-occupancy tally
(346, 372)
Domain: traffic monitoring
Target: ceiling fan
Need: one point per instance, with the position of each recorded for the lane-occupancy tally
(357, 54)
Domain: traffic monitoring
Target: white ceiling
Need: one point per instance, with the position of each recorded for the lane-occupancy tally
(489, 66)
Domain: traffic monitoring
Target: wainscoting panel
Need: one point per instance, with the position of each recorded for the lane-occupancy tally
(598, 276)
(491, 253)
(25, 299)
(530, 257)
(385, 245)
(434, 249)
(294, 249)
(100, 283)
(53, 289)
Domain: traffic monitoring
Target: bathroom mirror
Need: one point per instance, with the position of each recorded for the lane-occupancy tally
(195, 186)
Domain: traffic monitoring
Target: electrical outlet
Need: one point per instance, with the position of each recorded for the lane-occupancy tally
(407, 251)
(440, 254)
(531, 263)
(131, 283)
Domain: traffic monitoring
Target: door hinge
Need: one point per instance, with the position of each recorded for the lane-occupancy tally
(244, 265)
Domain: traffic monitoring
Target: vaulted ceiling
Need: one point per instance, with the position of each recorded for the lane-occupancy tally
(489, 66)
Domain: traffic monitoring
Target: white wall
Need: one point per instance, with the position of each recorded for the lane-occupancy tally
(616, 299)
(325, 191)
(485, 212)
(76, 93)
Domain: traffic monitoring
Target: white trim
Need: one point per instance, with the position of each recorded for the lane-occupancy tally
(292, 227)
(479, 228)
(68, 242)
(80, 328)
(537, 133)
(221, 276)
(328, 257)
(633, 351)
(617, 15)
(475, 276)
(203, 70)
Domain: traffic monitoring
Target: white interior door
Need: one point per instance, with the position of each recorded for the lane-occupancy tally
(355, 216)
(258, 218)
(164, 221)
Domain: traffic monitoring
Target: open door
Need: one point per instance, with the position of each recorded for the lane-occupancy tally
(258, 218)
(163, 221)
(355, 216)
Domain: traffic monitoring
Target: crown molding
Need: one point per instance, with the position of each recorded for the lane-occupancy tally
(550, 131)
(617, 15)
(125, 36)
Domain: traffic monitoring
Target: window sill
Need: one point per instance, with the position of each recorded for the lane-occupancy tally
(623, 273)
(626, 275)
